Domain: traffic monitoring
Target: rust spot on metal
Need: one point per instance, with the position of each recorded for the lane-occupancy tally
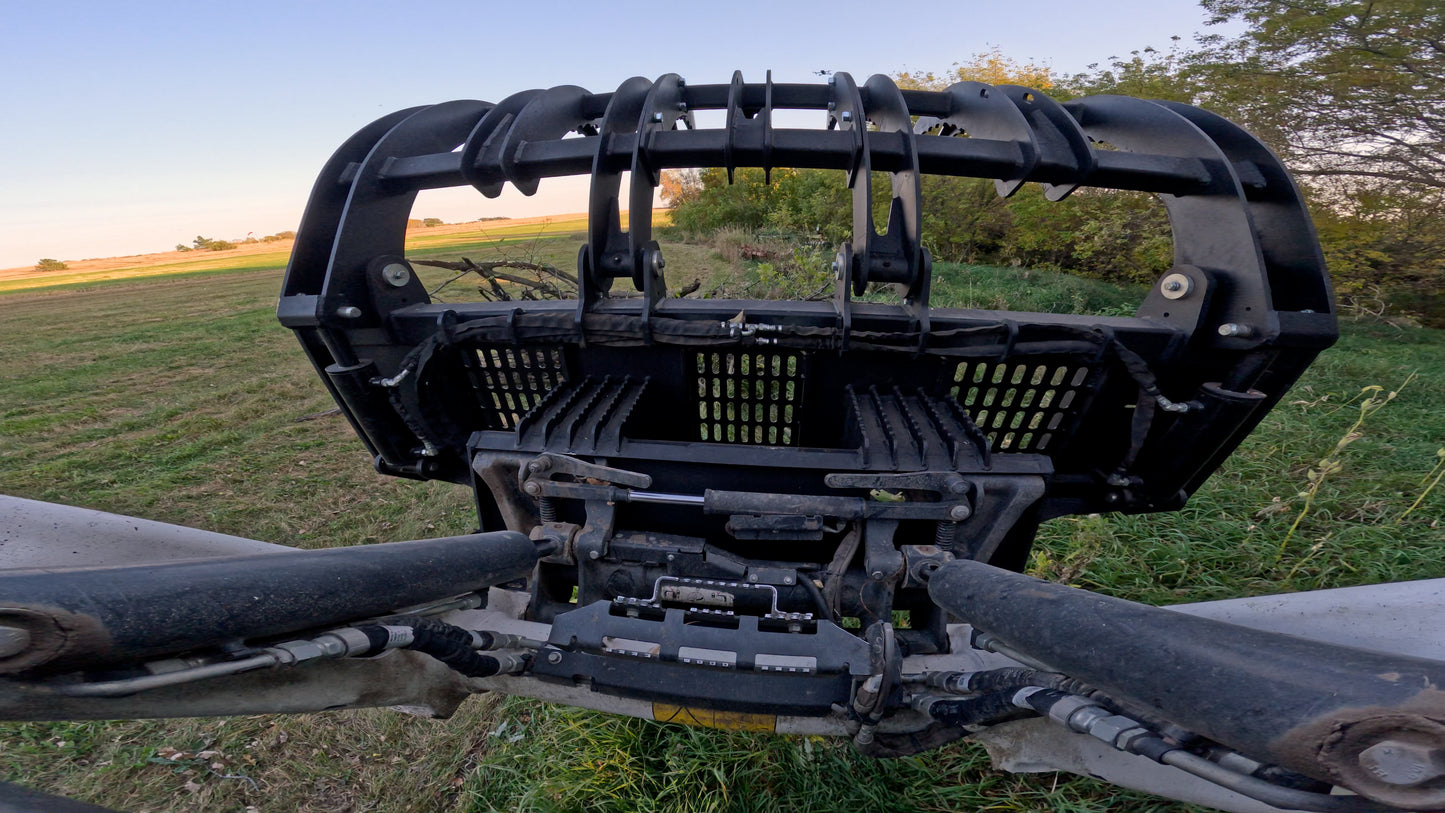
(1332, 744)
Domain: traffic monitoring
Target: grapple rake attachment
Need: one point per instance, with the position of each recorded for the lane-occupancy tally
(782, 510)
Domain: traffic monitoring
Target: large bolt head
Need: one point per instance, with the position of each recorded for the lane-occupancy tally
(13, 640)
(532, 488)
(396, 275)
(1396, 762)
(1176, 286)
(959, 513)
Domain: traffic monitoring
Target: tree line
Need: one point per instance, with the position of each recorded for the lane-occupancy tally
(1350, 93)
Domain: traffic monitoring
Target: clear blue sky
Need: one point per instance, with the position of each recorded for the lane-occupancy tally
(130, 127)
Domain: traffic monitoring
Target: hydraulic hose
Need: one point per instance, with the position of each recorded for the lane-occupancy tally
(1320, 709)
(450, 644)
(1083, 715)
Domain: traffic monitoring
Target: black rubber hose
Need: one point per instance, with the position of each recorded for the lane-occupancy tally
(1157, 749)
(1016, 677)
(448, 643)
(817, 595)
(988, 709)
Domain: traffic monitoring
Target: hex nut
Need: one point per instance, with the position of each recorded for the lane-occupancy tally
(1111, 728)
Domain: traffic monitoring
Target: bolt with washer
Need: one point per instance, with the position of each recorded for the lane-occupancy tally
(396, 275)
(1176, 286)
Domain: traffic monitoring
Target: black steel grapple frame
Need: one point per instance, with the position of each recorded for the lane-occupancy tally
(699, 463)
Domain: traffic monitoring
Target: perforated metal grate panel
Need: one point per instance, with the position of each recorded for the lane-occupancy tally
(509, 381)
(1022, 406)
(749, 397)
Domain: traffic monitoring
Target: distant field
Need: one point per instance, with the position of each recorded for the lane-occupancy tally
(253, 256)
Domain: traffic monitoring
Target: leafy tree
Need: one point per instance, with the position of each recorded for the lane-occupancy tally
(990, 67)
(431, 221)
(1351, 89)
(745, 203)
(1352, 94)
(50, 264)
(812, 202)
(1147, 73)
(679, 186)
(208, 244)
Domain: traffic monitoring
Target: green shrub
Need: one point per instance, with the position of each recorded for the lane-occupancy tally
(208, 244)
(49, 264)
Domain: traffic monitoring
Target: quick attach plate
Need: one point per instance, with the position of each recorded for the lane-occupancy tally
(729, 663)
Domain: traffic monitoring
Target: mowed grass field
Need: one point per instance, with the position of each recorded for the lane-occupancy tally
(179, 398)
(422, 241)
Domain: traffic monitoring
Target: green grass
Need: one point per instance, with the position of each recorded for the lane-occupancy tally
(992, 287)
(484, 236)
(178, 399)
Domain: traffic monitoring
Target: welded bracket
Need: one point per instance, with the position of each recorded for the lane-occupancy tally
(897, 255)
(638, 110)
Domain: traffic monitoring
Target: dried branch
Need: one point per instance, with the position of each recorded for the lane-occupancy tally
(493, 290)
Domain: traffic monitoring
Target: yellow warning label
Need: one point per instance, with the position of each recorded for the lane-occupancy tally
(707, 718)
